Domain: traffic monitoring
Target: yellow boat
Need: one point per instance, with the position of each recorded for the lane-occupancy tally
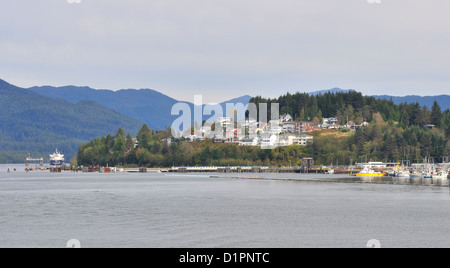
(368, 172)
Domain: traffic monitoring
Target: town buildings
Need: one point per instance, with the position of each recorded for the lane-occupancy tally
(282, 132)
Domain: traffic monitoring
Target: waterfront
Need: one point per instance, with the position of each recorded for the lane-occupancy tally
(42, 209)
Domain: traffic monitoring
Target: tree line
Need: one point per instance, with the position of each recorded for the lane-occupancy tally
(158, 149)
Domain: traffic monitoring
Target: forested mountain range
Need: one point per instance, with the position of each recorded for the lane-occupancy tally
(146, 105)
(36, 124)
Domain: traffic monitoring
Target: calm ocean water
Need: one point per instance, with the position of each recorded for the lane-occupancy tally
(40, 209)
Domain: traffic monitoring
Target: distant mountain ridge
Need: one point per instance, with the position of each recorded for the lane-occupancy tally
(332, 91)
(443, 100)
(146, 105)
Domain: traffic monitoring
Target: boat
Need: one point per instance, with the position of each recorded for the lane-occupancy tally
(401, 172)
(441, 175)
(369, 172)
(56, 159)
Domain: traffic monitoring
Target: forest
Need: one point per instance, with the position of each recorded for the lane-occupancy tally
(405, 132)
(396, 132)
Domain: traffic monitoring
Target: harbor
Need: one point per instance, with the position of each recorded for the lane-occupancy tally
(363, 172)
(373, 172)
(229, 210)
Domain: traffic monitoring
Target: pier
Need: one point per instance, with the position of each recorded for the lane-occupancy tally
(262, 169)
(212, 169)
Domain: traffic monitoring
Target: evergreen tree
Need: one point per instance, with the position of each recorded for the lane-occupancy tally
(436, 114)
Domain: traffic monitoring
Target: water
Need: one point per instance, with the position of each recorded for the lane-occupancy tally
(40, 209)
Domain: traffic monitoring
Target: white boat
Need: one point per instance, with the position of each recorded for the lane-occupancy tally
(402, 174)
(441, 175)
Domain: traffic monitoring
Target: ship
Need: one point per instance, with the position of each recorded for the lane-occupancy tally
(56, 159)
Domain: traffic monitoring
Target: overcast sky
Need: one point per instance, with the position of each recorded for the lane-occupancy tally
(227, 48)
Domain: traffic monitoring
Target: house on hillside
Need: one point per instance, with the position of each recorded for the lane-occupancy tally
(305, 140)
(288, 127)
(286, 118)
(305, 126)
(249, 142)
(293, 139)
(269, 141)
(330, 121)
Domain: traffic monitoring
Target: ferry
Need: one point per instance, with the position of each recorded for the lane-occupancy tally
(369, 172)
(56, 159)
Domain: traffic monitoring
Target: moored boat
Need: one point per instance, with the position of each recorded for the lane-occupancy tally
(369, 172)
(56, 159)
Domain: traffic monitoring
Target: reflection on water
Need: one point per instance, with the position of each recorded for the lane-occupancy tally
(397, 181)
(339, 178)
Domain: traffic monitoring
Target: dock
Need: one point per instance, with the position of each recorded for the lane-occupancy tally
(263, 169)
(212, 169)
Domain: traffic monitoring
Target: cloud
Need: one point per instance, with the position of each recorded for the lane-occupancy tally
(231, 47)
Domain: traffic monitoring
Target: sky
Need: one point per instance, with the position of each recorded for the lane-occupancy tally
(223, 49)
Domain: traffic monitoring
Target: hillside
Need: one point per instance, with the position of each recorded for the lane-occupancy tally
(395, 132)
(32, 123)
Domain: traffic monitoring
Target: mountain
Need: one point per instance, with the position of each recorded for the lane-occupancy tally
(146, 105)
(443, 100)
(332, 91)
(244, 100)
(36, 124)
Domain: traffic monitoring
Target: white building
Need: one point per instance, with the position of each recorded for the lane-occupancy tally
(305, 139)
(292, 139)
(288, 127)
(225, 122)
(286, 118)
(249, 142)
(330, 121)
(274, 127)
(269, 141)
